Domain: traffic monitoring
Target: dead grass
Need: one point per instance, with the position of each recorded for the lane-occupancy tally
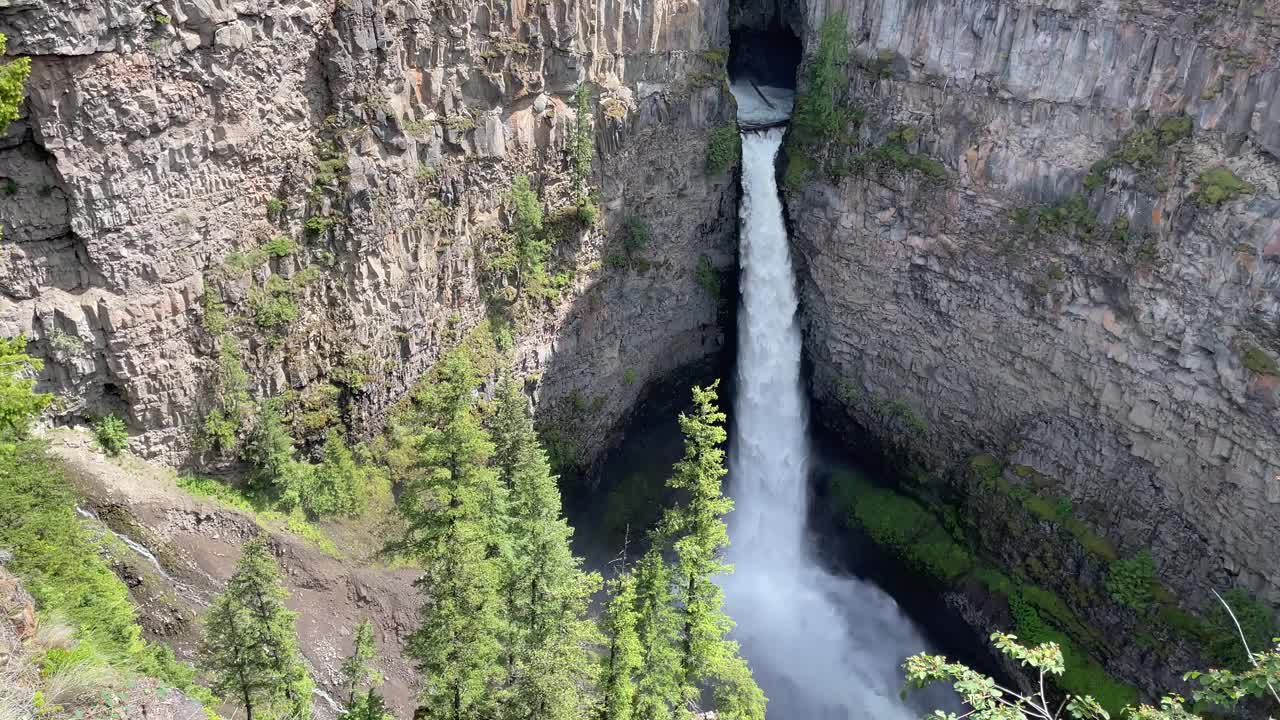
(79, 682)
(52, 633)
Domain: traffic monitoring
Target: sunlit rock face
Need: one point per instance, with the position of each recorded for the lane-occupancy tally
(153, 139)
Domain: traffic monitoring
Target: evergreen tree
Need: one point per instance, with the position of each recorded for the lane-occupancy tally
(270, 451)
(702, 536)
(531, 245)
(661, 690)
(360, 679)
(357, 670)
(336, 483)
(546, 592)
(456, 646)
(698, 526)
(368, 706)
(624, 657)
(250, 644)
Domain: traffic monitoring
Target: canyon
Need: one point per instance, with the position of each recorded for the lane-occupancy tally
(1038, 263)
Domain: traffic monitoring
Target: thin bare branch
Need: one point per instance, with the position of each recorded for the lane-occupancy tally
(1244, 641)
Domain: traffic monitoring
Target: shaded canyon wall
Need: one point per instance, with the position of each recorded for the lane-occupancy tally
(998, 262)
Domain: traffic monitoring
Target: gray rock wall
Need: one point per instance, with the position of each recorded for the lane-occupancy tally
(1112, 363)
(154, 135)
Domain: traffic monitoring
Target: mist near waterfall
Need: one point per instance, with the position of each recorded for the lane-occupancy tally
(821, 646)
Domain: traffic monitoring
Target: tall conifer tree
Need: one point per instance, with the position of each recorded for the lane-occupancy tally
(700, 536)
(624, 655)
(545, 590)
(357, 670)
(661, 691)
(445, 491)
(360, 678)
(250, 643)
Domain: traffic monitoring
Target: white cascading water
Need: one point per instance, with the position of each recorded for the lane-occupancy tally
(821, 646)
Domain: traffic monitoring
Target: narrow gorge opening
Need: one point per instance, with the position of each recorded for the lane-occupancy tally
(767, 56)
(823, 638)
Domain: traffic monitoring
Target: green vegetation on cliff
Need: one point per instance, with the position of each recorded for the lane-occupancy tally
(938, 540)
(902, 525)
(13, 80)
(1218, 185)
(1141, 149)
(724, 150)
(820, 115)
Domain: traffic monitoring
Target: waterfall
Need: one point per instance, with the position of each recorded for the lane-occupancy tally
(821, 646)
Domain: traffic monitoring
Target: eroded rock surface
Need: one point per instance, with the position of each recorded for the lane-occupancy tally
(154, 136)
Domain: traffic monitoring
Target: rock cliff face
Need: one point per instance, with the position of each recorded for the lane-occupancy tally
(1077, 289)
(336, 173)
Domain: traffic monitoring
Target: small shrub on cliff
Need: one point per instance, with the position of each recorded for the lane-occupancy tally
(1257, 360)
(273, 305)
(708, 278)
(111, 434)
(587, 211)
(280, 246)
(1129, 582)
(319, 224)
(1141, 149)
(13, 80)
(637, 234)
(724, 150)
(230, 400)
(1175, 129)
(1220, 185)
(893, 155)
(214, 320)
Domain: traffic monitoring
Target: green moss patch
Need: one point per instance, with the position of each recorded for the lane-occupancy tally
(902, 525)
(1258, 361)
(921, 537)
(724, 150)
